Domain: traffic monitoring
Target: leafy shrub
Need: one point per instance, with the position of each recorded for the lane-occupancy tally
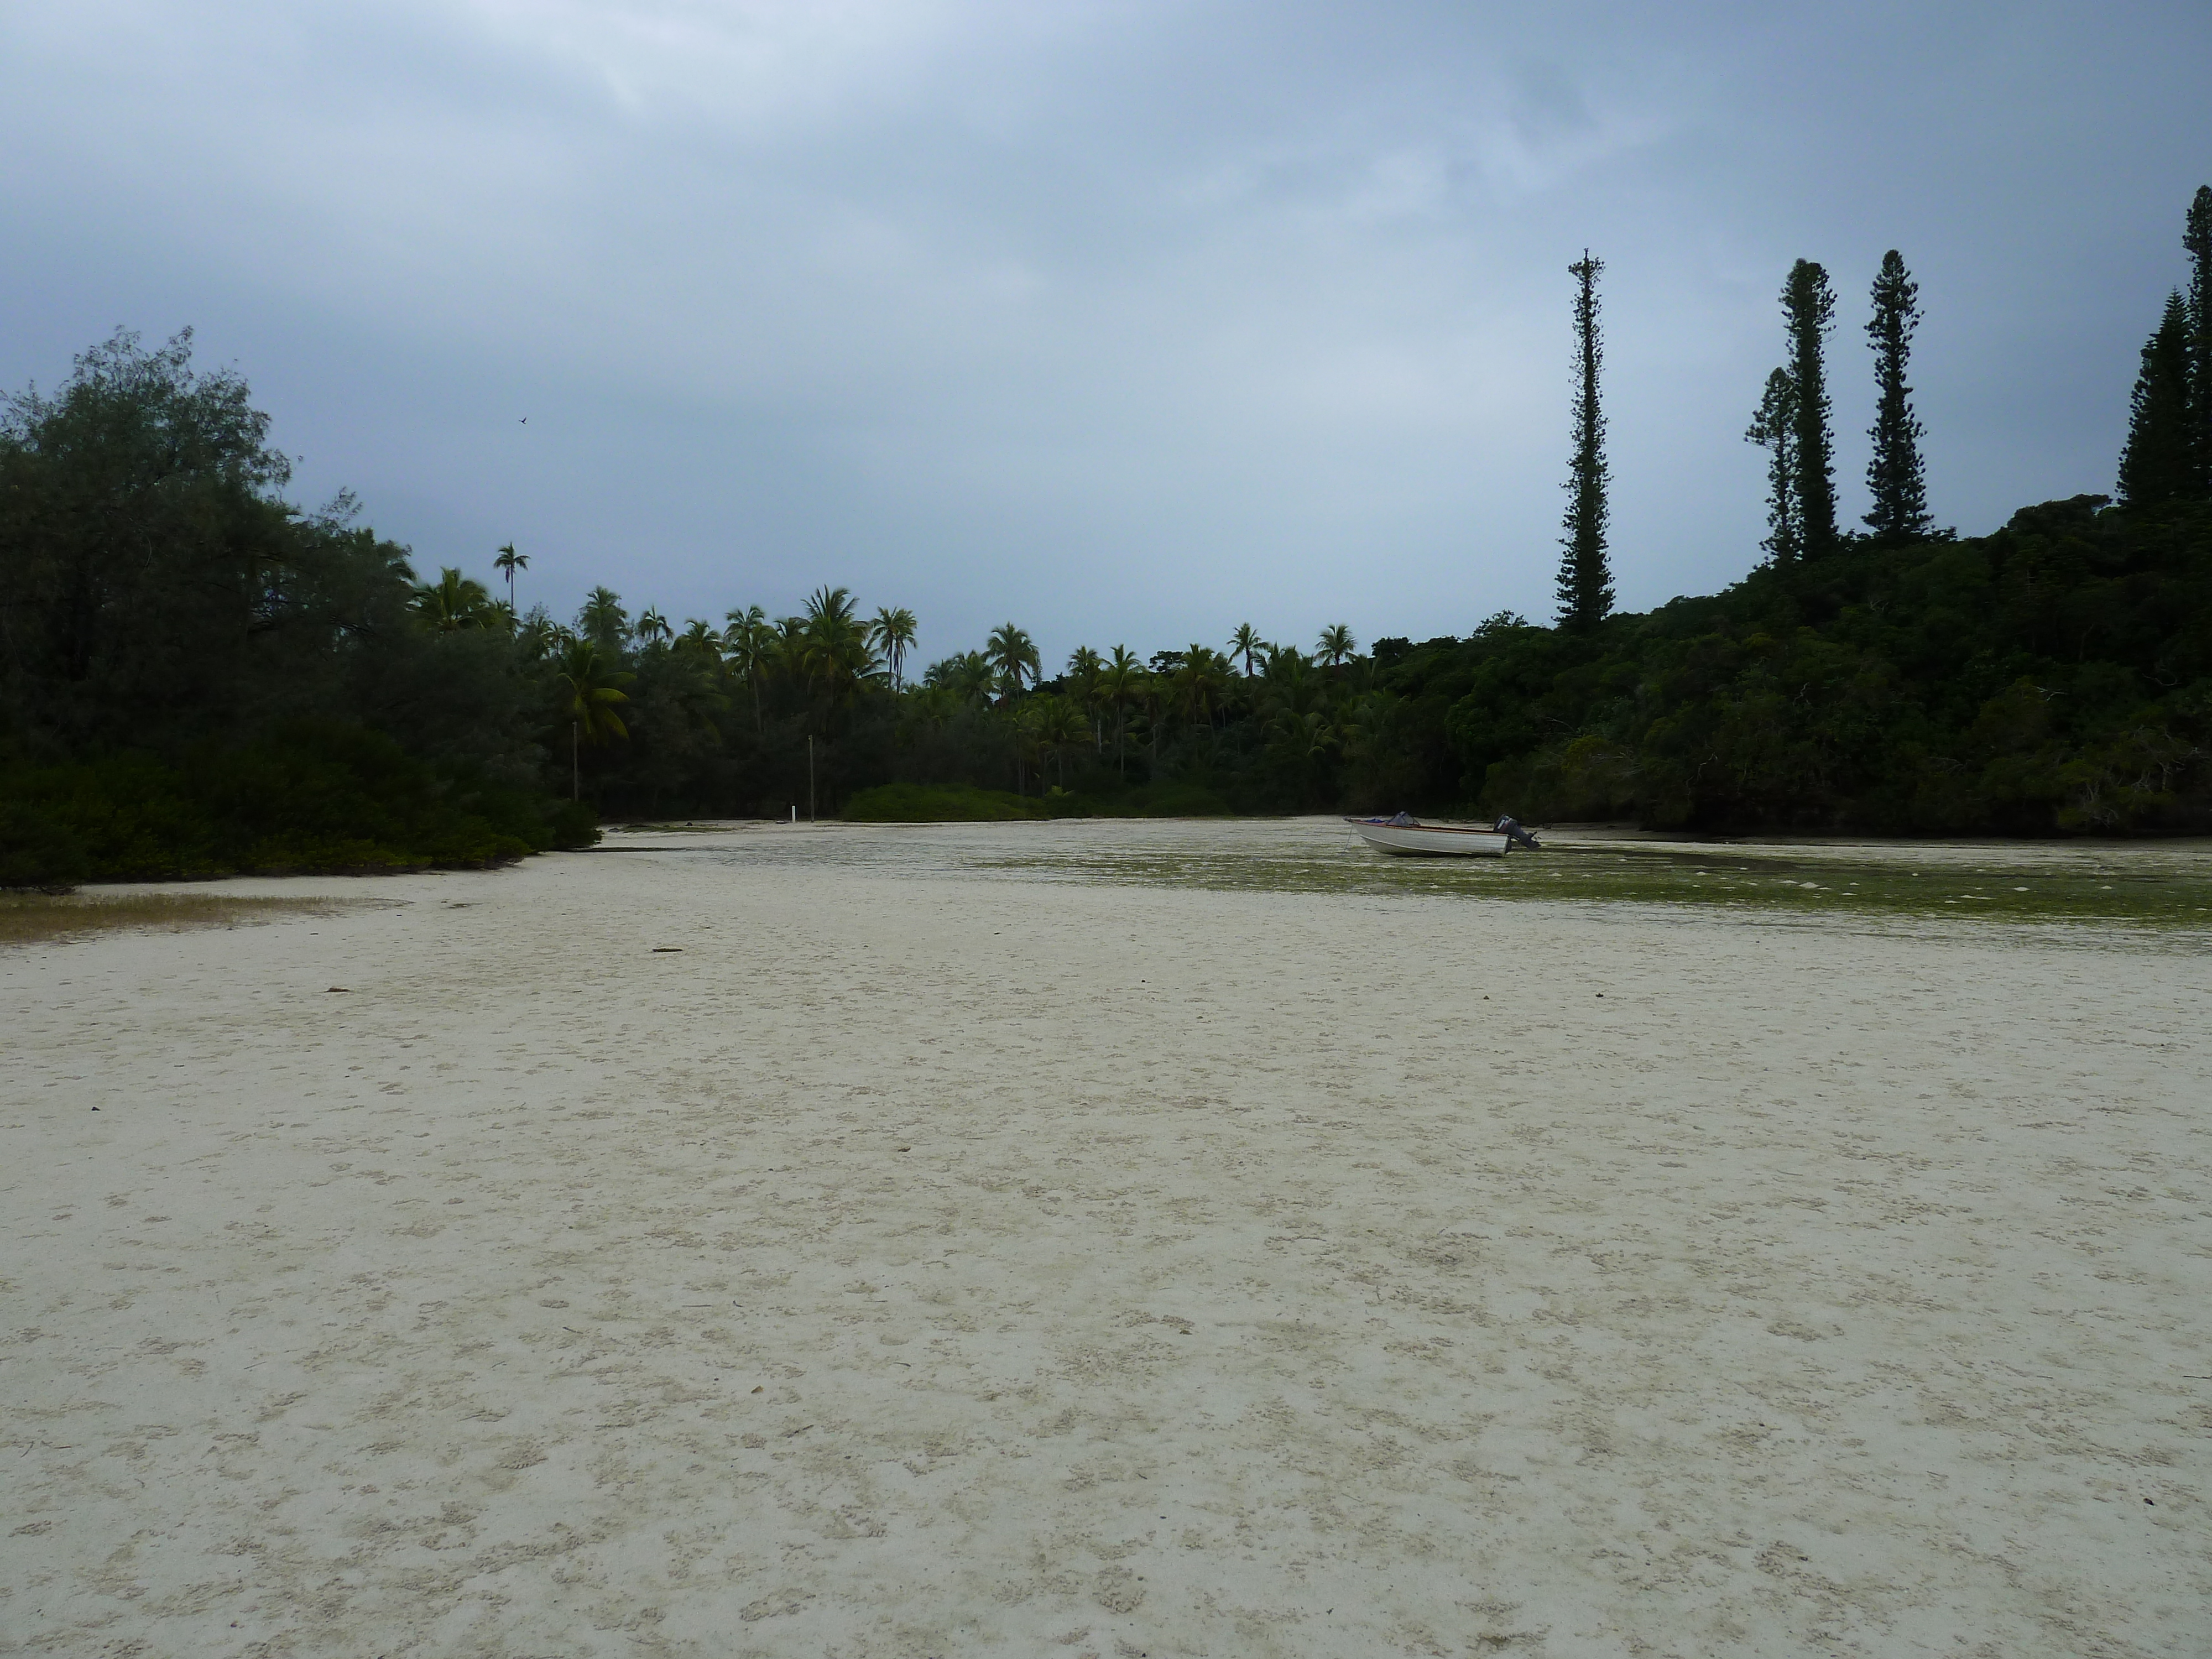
(311, 797)
(913, 803)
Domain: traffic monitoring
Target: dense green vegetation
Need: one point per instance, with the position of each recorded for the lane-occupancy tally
(2050, 678)
(2054, 677)
(911, 803)
(197, 677)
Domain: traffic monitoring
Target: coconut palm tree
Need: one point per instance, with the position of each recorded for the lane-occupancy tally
(1014, 657)
(652, 628)
(747, 643)
(506, 564)
(966, 677)
(1118, 685)
(593, 691)
(453, 602)
(929, 707)
(603, 621)
(1198, 683)
(1246, 643)
(1152, 693)
(1371, 730)
(1288, 685)
(1084, 665)
(834, 652)
(1059, 727)
(1310, 741)
(539, 635)
(892, 634)
(832, 605)
(1022, 725)
(699, 637)
(1336, 644)
(787, 649)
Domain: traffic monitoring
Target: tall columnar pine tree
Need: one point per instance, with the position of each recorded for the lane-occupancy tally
(1895, 476)
(1809, 304)
(2169, 453)
(2197, 237)
(1774, 429)
(1585, 578)
(2160, 461)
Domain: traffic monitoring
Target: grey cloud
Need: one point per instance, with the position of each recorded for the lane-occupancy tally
(1129, 321)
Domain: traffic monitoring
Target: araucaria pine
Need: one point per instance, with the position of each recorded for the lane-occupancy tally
(1809, 304)
(1774, 428)
(1585, 587)
(1896, 476)
(2169, 453)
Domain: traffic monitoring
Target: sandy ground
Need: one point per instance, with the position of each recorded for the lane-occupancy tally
(916, 1265)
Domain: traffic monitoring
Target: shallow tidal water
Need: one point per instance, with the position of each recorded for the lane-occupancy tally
(2162, 887)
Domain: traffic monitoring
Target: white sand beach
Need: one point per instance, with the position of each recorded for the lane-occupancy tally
(777, 1245)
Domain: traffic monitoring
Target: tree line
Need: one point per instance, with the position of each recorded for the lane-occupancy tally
(1792, 422)
(197, 675)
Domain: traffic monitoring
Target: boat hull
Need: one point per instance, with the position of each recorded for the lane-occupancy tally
(1431, 840)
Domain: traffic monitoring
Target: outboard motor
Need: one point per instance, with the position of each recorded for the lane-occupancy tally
(1515, 834)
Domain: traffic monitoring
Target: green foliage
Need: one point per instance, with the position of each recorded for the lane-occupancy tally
(891, 634)
(2197, 238)
(591, 692)
(2162, 461)
(1585, 581)
(310, 797)
(1244, 645)
(1895, 476)
(2055, 677)
(1774, 429)
(152, 588)
(1012, 656)
(454, 602)
(2168, 456)
(907, 803)
(1809, 305)
(603, 621)
(508, 563)
(197, 677)
(910, 802)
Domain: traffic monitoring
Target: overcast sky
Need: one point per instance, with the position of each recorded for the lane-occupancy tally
(1129, 322)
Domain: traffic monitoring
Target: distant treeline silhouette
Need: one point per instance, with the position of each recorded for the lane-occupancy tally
(199, 676)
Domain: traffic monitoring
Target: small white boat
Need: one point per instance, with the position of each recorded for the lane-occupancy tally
(1430, 840)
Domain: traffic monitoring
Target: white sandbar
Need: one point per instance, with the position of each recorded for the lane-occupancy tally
(922, 1264)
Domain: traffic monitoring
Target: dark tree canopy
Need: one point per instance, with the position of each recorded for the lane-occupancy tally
(197, 677)
(1809, 304)
(156, 591)
(1585, 583)
(2160, 461)
(1895, 476)
(1774, 429)
(2197, 237)
(148, 567)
